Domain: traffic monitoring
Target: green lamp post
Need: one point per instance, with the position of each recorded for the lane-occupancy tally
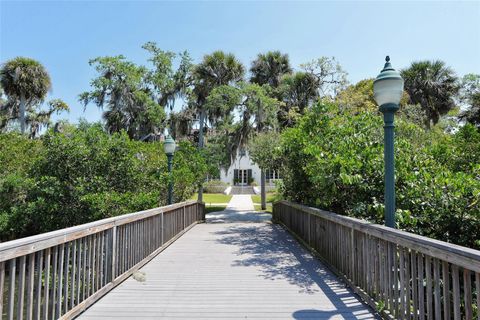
(387, 91)
(169, 147)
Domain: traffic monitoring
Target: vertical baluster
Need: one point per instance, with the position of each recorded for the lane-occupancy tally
(21, 287)
(389, 276)
(54, 284)
(84, 266)
(413, 262)
(47, 284)
(61, 259)
(456, 292)
(162, 229)
(421, 292)
(38, 296)
(396, 291)
(96, 269)
(114, 252)
(477, 287)
(401, 269)
(436, 284)
(74, 274)
(408, 292)
(94, 265)
(30, 285)
(102, 252)
(446, 290)
(2, 283)
(428, 276)
(467, 291)
(66, 280)
(11, 289)
(91, 267)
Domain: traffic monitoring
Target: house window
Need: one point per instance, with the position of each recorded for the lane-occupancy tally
(271, 175)
(242, 152)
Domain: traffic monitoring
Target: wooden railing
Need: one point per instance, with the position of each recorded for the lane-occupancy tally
(60, 273)
(403, 275)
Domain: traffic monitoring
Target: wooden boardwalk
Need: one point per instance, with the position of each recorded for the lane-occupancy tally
(232, 271)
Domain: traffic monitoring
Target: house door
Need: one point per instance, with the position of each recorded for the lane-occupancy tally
(242, 176)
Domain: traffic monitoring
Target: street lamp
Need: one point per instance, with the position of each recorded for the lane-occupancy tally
(387, 91)
(169, 147)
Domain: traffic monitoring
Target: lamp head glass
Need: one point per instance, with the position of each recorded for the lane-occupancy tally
(388, 86)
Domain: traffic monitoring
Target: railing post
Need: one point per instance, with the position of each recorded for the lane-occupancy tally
(114, 252)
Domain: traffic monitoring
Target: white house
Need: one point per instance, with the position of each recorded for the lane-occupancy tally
(243, 171)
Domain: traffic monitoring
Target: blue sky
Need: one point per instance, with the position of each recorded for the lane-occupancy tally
(65, 35)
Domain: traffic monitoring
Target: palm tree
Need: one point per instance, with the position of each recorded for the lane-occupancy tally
(433, 85)
(215, 70)
(26, 83)
(298, 91)
(268, 68)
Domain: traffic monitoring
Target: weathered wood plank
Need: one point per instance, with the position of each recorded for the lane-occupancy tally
(226, 284)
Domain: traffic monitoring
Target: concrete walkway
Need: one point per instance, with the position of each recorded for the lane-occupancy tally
(233, 270)
(239, 209)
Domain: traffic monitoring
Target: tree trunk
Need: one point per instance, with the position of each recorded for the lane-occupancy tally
(262, 190)
(21, 114)
(200, 146)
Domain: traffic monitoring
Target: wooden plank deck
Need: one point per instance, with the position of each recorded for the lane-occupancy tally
(232, 271)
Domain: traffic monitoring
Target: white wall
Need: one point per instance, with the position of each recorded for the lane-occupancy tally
(243, 163)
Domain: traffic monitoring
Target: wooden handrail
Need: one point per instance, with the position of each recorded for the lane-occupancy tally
(60, 273)
(402, 274)
(462, 256)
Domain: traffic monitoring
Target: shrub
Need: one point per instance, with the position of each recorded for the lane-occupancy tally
(334, 160)
(86, 174)
(215, 186)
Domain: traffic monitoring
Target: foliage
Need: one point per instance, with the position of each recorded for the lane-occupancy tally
(264, 150)
(358, 96)
(256, 111)
(433, 85)
(85, 174)
(328, 74)
(121, 88)
(168, 84)
(334, 160)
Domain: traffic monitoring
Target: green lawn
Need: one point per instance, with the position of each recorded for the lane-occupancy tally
(271, 197)
(259, 206)
(213, 198)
